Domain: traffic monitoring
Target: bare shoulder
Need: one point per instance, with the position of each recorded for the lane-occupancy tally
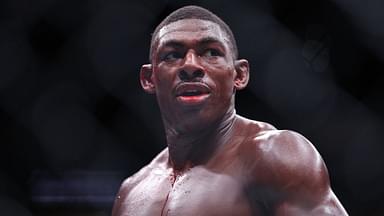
(280, 152)
(290, 166)
(254, 127)
(293, 160)
(159, 162)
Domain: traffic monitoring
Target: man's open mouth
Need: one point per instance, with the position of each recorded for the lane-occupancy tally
(192, 93)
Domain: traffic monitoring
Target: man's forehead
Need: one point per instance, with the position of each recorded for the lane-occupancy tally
(192, 27)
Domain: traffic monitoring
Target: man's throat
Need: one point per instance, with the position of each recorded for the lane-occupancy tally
(197, 147)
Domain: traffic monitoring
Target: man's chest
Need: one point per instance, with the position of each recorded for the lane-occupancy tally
(197, 192)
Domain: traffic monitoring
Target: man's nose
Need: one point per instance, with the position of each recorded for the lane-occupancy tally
(191, 68)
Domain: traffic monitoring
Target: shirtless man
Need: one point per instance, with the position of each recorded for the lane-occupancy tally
(217, 162)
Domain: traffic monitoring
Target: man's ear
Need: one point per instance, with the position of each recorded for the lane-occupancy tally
(242, 74)
(146, 79)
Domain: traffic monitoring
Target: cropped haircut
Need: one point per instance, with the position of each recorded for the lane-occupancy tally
(194, 12)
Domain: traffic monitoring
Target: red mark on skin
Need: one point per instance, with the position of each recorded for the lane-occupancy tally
(172, 178)
(165, 203)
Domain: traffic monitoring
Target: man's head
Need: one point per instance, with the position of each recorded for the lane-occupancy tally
(194, 70)
(194, 12)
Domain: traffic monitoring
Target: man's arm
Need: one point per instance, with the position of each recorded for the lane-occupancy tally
(292, 166)
(329, 205)
(120, 197)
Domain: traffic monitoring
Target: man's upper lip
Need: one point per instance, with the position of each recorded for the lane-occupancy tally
(191, 87)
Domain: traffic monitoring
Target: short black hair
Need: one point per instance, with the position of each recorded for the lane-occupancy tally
(194, 12)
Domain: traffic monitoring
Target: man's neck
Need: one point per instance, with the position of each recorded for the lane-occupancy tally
(187, 149)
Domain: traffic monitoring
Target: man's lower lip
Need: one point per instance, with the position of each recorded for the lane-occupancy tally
(193, 99)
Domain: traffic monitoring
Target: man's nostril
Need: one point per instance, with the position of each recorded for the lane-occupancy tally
(188, 76)
(183, 75)
(198, 73)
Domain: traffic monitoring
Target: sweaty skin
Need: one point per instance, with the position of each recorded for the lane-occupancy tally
(217, 162)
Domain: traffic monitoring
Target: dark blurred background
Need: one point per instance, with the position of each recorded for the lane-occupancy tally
(75, 122)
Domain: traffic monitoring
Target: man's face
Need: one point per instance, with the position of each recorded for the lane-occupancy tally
(193, 72)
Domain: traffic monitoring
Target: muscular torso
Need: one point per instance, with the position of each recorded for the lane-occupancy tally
(258, 171)
(198, 191)
(219, 187)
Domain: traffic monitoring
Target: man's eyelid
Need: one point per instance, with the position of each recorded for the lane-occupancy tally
(166, 49)
(215, 46)
(170, 54)
(218, 51)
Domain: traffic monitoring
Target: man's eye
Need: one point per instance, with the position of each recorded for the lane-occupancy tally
(171, 56)
(212, 53)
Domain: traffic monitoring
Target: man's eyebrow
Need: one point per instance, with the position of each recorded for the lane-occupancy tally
(208, 40)
(202, 41)
(172, 43)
